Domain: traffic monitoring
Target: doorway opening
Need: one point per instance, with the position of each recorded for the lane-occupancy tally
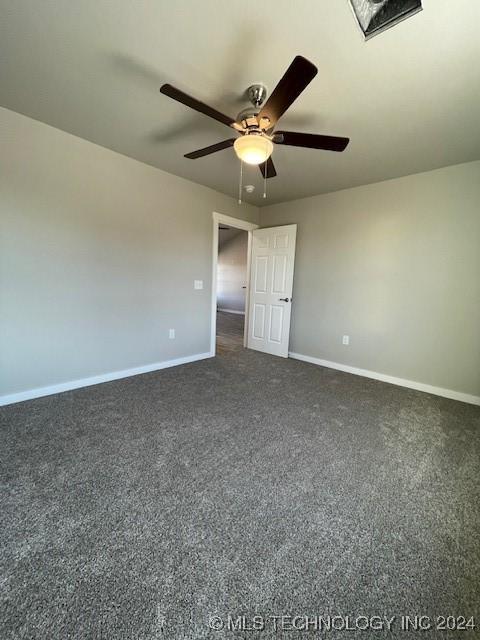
(231, 288)
(230, 283)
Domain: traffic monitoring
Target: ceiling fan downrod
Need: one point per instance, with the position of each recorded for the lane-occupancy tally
(256, 94)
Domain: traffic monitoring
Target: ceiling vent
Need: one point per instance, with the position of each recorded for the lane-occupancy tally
(374, 16)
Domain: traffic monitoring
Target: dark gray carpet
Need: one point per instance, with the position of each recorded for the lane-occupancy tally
(245, 484)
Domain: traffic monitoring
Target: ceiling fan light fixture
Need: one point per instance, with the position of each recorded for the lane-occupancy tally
(253, 148)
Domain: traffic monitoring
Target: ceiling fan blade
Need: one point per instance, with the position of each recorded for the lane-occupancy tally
(296, 78)
(213, 148)
(196, 105)
(268, 168)
(311, 140)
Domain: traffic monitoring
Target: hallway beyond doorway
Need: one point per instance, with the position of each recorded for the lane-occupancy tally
(229, 332)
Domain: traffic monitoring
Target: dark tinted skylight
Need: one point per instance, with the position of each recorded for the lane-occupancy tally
(375, 16)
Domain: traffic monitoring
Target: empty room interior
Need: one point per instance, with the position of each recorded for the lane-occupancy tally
(239, 319)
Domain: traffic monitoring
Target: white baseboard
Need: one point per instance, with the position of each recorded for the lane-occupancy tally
(104, 377)
(401, 382)
(239, 313)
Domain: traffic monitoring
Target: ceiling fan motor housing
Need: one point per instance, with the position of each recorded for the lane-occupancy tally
(257, 94)
(248, 118)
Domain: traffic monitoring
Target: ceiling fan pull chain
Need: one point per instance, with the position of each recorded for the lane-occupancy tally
(240, 183)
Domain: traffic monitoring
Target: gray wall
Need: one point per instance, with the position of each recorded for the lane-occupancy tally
(232, 270)
(395, 265)
(97, 259)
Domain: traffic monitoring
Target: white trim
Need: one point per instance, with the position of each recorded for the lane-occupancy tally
(104, 377)
(401, 382)
(247, 290)
(238, 313)
(237, 223)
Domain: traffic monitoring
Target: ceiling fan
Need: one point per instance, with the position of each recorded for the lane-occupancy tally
(255, 125)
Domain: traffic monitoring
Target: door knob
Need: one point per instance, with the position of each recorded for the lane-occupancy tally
(284, 299)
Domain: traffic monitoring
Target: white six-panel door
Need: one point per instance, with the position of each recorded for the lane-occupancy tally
(271, 282)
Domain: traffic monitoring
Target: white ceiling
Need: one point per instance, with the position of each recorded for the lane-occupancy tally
(409, 99)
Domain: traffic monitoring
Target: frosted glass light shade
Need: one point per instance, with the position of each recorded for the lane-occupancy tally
(253, 149)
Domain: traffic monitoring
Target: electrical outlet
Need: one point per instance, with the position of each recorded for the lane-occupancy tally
(171, 334)
(346, 340)
(198, 284)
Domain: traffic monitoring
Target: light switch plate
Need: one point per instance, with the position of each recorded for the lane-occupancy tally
(346, 340)
(198, 284)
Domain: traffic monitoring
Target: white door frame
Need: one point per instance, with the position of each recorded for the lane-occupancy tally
(218, 219)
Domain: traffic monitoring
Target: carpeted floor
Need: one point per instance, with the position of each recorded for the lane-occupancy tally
(241, 485)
